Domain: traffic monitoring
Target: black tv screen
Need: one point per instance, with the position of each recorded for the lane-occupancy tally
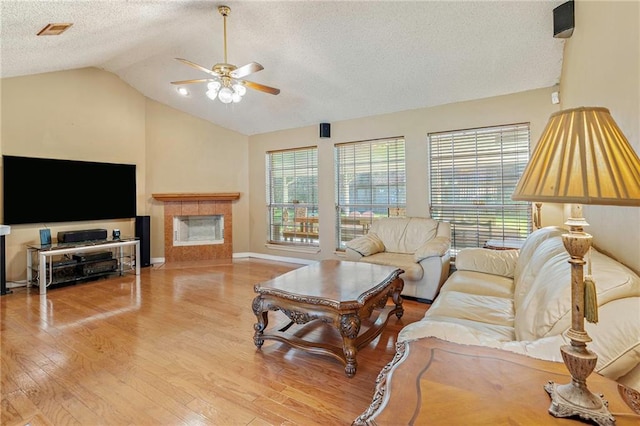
(45, 190)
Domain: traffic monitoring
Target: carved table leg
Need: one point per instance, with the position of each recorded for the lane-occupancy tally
(397, 299)
(263, 320)
(349, 329)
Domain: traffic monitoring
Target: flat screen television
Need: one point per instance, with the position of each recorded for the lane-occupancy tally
(46, 190)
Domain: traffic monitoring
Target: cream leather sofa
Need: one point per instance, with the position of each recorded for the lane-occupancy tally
(419, 246)
(519, 300)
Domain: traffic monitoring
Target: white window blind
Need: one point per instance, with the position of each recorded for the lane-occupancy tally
(292, 197)
(370, 183)
(472, 176)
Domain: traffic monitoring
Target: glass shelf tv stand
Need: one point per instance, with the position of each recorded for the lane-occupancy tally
(72, 262)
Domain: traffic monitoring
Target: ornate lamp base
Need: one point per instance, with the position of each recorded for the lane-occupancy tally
(561, 407)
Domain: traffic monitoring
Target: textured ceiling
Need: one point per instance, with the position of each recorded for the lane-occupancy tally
(332, 60)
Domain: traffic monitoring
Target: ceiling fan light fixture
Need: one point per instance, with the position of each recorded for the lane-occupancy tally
(239, 89)
(225, 95)
(183, 91)
(226, 80)
(214, 85)
(212, 94)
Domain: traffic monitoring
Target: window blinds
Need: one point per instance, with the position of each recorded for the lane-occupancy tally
(370, 182)
(292, 192)
(472, 176)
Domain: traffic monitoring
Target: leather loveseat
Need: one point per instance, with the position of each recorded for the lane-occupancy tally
(520, 300)
(420, 246)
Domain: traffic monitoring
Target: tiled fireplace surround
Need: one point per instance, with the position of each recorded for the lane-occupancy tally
(197, 204)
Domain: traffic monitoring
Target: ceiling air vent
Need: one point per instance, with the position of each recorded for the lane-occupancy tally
(54, 29)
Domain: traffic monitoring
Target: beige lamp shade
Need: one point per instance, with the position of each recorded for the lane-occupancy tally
(582, 157)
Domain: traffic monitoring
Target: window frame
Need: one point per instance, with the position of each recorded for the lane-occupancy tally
(473, 223)
(350, 222)
(282, 214)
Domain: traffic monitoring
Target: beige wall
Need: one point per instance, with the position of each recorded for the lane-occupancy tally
(601, 68)
(188, 154)
(84, 114)
(532, 106)
(89, 114)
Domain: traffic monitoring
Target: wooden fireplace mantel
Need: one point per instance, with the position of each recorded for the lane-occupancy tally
(197, 196)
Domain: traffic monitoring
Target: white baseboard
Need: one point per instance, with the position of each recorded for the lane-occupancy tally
(274, 258)
(161, 260)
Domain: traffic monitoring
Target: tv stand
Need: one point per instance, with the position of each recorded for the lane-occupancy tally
(55, 264)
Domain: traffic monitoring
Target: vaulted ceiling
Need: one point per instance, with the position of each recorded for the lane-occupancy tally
(332, 60)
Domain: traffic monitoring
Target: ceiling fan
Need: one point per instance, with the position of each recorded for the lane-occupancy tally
(227, 81)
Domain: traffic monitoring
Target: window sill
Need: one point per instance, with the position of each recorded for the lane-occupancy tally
(298, 249)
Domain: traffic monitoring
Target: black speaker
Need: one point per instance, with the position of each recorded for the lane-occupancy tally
(82, 235)
(143, 233)
(3, 267)
(325, 130)
(563, 20)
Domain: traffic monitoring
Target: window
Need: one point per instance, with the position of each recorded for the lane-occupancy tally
(472, 176)
(370, 183)
(292, 197)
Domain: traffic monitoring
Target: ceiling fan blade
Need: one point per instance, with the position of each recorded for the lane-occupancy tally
(245, 70)
(261, 87)
(198, 67)
(200, 80)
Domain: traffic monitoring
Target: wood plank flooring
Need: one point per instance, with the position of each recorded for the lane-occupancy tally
(173, 347)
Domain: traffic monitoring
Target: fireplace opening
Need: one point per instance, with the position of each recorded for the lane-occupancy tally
(198, 230)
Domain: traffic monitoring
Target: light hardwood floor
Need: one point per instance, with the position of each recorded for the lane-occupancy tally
(174, 347)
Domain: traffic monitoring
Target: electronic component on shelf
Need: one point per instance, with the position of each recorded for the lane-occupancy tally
(63, 262)
(92, 256)
(91, 268)
(82, 235)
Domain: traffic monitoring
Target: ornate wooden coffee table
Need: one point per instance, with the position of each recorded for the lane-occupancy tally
(342, 294)
(431, 381)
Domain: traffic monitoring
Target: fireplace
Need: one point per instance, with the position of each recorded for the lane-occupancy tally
(197, 226)
(198, 230)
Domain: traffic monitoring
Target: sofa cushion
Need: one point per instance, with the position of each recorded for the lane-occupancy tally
(457, 330)
(525, 271)
(404, 235)
(412, 270)
(616, 338)
(480, 283)
(496, 262)
(550, 252)
(531, 245)
(484, 309)
(546, 308)
(366, 245)
(439, 246)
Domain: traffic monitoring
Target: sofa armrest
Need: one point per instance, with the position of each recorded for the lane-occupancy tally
(496, 262)
(366, 245)
(438, 246)
(352, 255)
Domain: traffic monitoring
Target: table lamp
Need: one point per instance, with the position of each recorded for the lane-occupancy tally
(582, 158)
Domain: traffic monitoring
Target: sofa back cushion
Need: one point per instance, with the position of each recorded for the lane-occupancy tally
(549, 250)
(404, 234)
(530, 246)
(545, 308)
(616, 338)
